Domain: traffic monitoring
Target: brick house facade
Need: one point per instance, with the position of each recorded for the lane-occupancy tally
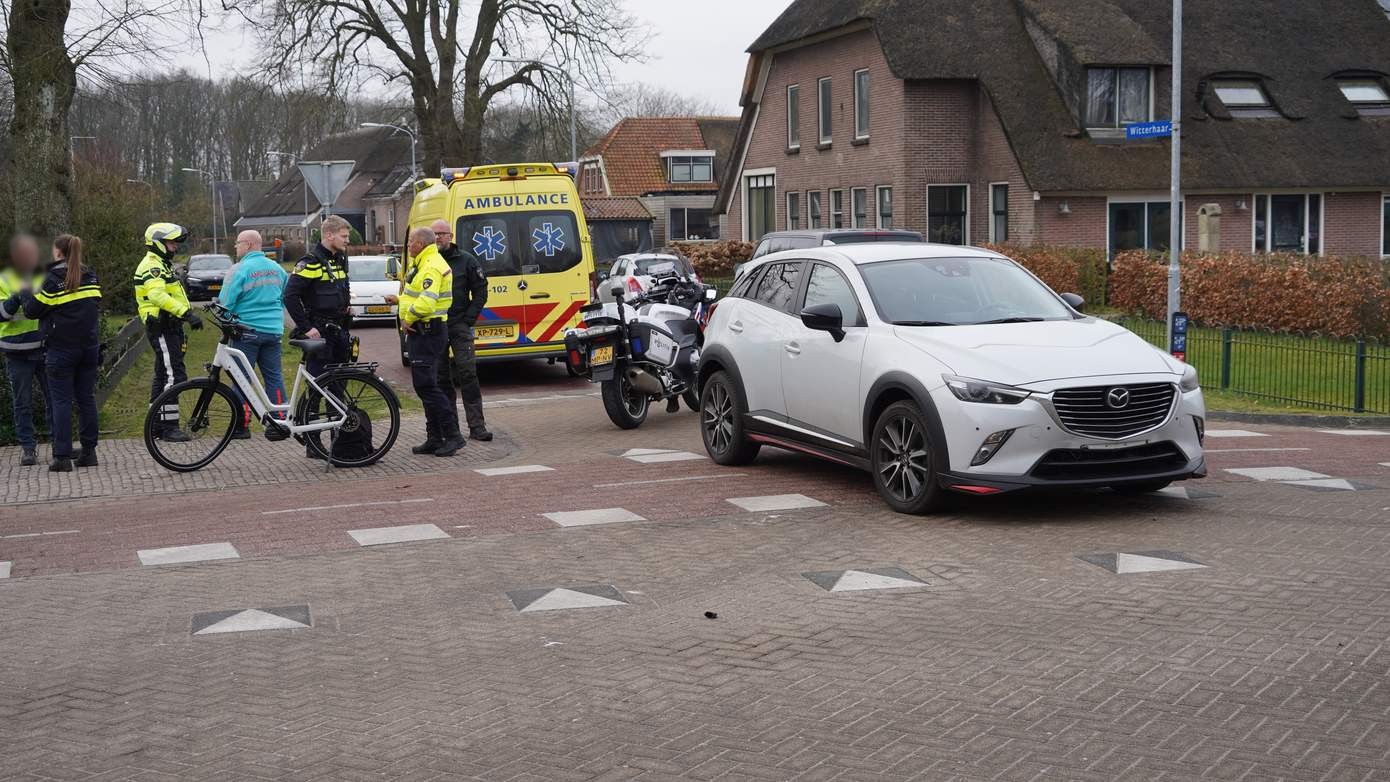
(991, 120)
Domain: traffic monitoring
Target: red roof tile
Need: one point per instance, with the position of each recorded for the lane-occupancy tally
(614, 209)
(632, 150)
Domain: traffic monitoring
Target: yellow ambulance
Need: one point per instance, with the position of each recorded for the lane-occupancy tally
(525, 225)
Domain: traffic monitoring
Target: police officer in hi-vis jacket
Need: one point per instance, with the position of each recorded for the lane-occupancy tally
(164, 309)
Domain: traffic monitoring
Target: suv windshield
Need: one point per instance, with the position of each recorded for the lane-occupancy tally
(513, 243)
(209, 263)
(366, 269)
(959, 292)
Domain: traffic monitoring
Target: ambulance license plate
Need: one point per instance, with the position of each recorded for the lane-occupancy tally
(378, 309)
(214, 287)
(494, 332)
(601, 355)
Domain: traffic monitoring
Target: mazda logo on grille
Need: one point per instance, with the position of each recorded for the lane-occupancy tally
(1117, 398)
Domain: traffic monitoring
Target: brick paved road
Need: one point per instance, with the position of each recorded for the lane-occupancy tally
(1016, 660)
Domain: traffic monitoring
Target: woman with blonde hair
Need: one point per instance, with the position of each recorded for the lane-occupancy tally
(67, 307)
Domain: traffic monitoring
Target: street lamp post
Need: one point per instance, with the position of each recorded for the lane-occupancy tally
(304, 185)
(1175, 180)
(414, 170)
(212, 202)
(545, 66)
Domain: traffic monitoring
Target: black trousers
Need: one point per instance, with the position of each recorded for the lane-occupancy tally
(461, 370)
(429, 347)
(169, 343)
(339, 347)
(72, 379)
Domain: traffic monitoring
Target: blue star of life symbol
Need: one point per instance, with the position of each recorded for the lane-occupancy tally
(548, 239)
(489, 243)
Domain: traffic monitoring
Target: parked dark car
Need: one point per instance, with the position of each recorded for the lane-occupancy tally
(203, 276)
(778, 241)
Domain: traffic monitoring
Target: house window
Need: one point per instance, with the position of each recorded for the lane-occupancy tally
(813, 204)
(793, 210)
(1288, 224)
(794, 117)
(999, 213)
(885, 207)
(690, 169)
(837, 209)
(1140, 226)
(1244, 98)
(1116, 97)
(1368, 95)
(823, 109)
(593, 178)
(762, 210)
(946, 214)
(690, 224)
(859, 206)
(861, 104)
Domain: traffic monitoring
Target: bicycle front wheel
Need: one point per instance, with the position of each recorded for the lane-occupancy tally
(207, 416)
(372, 423)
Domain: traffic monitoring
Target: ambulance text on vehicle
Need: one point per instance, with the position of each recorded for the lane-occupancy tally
(525, 225)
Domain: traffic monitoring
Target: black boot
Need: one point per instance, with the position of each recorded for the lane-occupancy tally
(452, 444)
(276, 433)
(28, 458)
(431, 443)
(60, 464)
(477, 429)
(241, 433)
(87, 457)
(174, 436)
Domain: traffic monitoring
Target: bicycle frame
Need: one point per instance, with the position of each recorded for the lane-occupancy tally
(243, 376)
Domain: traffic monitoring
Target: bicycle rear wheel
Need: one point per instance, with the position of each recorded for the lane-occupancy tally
(373, 421)
(208, 414)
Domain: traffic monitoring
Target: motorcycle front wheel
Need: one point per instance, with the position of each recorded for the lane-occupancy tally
(625, 405)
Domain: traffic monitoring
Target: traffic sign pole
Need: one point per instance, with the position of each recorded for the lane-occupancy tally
(1175, 183)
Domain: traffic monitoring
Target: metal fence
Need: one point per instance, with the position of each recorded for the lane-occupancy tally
(1309, 371)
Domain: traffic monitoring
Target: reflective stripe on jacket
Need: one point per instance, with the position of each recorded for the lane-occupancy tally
(158, 289)
(70, 319)
(17, 332)
(429, 290)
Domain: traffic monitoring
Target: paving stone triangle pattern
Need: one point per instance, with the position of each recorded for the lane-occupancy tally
(631, 452)
(1324, 484)
(565, 598)
(519, 469)
(672, 456)
(4, 570)
(864, 579)
(1276, 473)
(380, 536)
(245, 620)
(776, 502)
(1187, 493)
(1234, 433)
(180, 555)
(1128, 562)
(588, 518)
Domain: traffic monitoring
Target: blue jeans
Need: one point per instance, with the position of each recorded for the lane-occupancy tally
(263, 351)
(24, 369)
(72, 380)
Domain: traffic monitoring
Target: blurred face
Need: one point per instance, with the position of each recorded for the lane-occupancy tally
(25, 256)
(337, 241)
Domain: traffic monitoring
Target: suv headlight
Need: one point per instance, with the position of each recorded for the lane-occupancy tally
(983, 392)
(1189, 379)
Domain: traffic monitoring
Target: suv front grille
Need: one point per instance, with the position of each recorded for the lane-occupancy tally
(1076, 464)
(1097, 411)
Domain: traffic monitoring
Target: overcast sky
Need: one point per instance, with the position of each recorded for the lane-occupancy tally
(697, 46)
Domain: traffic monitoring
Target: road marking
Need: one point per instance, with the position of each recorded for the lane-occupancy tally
(1385, 464)
(631, 452)
(865, 580)
(673, 456)
(1186, 493)
(517, 470)
(1234, 433)
(529, 600)
(1124, 563)
(39, 534)
(1277, 473)
(178, 555)
(5, 569)
(1252, 450)
(407, 533)
(775, 502)
(1324, 484)
(587, 518)
(245, 620)
(1356, 432)
(674, 480)
(531, 400)
(313, 508)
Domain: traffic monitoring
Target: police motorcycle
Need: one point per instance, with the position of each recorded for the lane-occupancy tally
(643, 348)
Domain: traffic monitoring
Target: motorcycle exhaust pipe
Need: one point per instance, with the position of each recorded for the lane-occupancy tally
(644, 381)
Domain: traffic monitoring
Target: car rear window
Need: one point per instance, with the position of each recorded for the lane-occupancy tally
(515, 243)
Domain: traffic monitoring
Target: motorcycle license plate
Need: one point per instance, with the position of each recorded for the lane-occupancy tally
(492, 333)
(601, 355)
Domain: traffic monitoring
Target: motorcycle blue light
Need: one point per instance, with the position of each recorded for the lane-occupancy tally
(636, 344)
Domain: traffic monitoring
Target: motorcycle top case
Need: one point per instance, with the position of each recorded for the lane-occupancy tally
(652, 344)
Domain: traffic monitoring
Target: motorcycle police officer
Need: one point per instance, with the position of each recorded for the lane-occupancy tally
(164, 309)
(317, 297)
(424, 309)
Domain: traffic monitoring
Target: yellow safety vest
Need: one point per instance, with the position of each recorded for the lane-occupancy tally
(157, 289)
(16, 331)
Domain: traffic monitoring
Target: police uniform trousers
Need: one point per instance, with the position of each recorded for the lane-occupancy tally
(165, 335)
(462, 370)
(339, 347)
(428, 344)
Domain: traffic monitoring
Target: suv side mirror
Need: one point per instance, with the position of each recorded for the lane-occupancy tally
(1074, 301)
(824, 317)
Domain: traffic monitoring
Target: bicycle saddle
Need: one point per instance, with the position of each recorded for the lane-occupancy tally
(310, 346)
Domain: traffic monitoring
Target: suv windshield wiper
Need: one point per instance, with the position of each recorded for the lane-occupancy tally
(1019, 319)
(923, 323)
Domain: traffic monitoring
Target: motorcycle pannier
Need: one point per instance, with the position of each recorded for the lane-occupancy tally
(653, 345)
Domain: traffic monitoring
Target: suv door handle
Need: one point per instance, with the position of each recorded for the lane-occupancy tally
(736, 327)
(540, 295)
(793, 348)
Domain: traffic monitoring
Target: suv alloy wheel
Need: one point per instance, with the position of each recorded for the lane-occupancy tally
(721, 423)
(903, 460)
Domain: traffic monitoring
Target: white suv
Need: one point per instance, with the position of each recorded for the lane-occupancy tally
(940, 368)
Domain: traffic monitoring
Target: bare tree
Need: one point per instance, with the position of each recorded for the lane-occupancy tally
(444, 56)
(646, 100)
(49, 45)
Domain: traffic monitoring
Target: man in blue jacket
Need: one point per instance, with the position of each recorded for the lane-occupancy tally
(253, 292)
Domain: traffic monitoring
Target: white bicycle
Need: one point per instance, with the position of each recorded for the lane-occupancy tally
(359, 410)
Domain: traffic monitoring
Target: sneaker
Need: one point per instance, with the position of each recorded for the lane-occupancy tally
(451, 445)
(60, 465)
(175, 436)
(482, 435)
(241, 434)
(429, 446)
(87, 457)
(29, 458)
